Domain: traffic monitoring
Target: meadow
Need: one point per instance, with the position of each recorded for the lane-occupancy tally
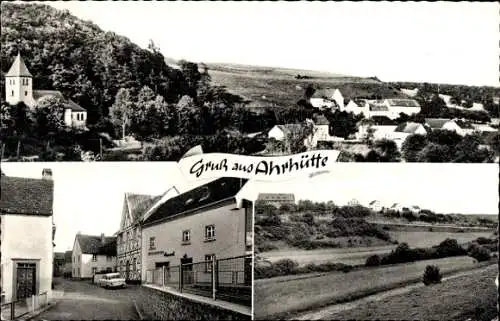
(278, 297)
(465, 297)
(428, 239)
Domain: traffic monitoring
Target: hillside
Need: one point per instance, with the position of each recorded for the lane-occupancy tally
(81, 60)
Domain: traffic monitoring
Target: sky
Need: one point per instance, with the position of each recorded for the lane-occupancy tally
(443, 188)
(443, 42)
(88, 197)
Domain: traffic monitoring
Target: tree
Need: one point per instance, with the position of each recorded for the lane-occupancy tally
(49, 115)
(342, 124)
(412, 145)
(120, 111)
(469, 151)
(189, 116)
(387, 150)
(434, 153)
(192, 77)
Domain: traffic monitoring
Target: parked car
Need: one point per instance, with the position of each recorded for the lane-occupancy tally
(112, 280)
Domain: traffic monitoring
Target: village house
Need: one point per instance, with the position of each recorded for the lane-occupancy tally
(357, 107)
(204, 223)
(276, 199)
(327, 99)
(461, 127)
(68, 263)
(26, 263)
(375, 206)
(410, 92)
(58, 264)
(128, 251)
(19, 88)
(93, 254)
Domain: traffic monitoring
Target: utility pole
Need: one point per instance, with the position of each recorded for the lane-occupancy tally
(100, 148)
(3, 149)
(18, 148)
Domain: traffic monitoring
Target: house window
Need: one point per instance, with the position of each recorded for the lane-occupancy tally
(12, 93)
(210, 232)
(78, 271)
(208, 262)
(134, 264)
(152, 243)
(25, 93)
(94, 257)
(186, 236)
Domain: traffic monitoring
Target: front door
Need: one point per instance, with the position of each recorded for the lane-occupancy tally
(25, 280)
(187, 270)
(127, 270)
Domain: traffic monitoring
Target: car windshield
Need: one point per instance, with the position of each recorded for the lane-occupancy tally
(113, 276)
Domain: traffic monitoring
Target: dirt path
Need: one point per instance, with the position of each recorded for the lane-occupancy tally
(325, 313)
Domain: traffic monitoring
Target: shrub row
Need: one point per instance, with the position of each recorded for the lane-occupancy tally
(290, 267)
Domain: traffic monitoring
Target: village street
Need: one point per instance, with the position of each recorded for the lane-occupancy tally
(85, 301)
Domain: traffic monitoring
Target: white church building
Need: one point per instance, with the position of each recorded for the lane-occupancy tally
(19, 88)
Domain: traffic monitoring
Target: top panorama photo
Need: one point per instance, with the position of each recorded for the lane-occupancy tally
(160, 79)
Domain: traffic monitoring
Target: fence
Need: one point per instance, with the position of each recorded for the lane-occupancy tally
(19, 308)
(228, 279)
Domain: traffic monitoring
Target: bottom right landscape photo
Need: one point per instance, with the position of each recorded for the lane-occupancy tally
(378, 242)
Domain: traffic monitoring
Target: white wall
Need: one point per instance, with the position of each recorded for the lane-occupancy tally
(27, 237)
(276, 133)
(229, 240)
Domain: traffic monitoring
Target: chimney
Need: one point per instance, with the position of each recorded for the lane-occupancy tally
(103, 239)
(47, 174)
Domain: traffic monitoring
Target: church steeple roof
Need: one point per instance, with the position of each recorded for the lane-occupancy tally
(18, 68)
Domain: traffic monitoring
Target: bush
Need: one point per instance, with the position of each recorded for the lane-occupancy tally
(373, 260)
(478, 252)
(432, 275)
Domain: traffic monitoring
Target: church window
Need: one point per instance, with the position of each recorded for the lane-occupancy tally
(12, 93)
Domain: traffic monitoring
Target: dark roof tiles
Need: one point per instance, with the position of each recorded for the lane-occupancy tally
(27, 196)
(90, 244)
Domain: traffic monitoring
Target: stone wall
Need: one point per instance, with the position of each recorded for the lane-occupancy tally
(158, 305)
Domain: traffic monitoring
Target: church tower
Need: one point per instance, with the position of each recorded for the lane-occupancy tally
(19, 83)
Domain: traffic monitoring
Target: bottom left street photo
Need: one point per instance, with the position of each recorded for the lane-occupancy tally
(123, 241)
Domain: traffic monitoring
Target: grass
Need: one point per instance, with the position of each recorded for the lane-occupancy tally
(278, 87)
(275, 298)
(472, 296)
(428, 239)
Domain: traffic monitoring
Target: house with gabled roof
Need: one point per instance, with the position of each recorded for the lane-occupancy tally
(276, 199)
(19, 88)
(375, 206)
(459, 126)
(26, 236)
(68, 263)
(93, 254)
(327, 98)
(196, 226)
(128, 251)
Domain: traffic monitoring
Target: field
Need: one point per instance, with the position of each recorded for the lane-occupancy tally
(278, 87)
(278, 297)
(428, 239)
(472, 296)
(352, 256)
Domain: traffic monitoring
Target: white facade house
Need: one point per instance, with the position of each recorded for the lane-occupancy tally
(375, 206)
(19, 88)
(198, 225)
(410, 92)
(327, 99)
(27, 235)
(93, 254)
(357, 107)
(461, 127)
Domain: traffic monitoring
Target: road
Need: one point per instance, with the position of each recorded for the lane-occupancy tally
(85, 301)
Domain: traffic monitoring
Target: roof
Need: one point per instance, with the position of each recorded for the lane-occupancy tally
(68, 103)
(67, 256)
(276, 197)
(90, 244)
(321, 120)
(324, 93)
(403, 103)
(27, 196)
(207, 194)
(436, 123)
(408, 127)
(18, 68)
(288, 129)
(139, 204)
(373, 202)
(59, 256)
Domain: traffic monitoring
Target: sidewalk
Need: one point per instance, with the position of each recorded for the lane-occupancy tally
(22, 312)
